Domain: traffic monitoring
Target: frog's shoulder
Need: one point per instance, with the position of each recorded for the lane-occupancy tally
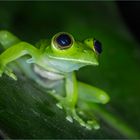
(42, 44)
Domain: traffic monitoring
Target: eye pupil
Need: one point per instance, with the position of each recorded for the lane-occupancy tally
(97, 46)
(63, 40)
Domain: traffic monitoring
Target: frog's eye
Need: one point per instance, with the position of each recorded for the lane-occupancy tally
(97, 46)
(63, 40)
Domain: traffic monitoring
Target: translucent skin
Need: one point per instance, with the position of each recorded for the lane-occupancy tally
(58, 58)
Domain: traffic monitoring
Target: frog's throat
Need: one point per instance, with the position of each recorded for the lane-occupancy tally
(47, 74)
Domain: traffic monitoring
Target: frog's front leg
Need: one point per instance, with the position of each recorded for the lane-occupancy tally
(69, 102)
(14, 52)
(7, 39)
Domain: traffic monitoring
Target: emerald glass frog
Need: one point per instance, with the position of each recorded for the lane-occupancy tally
(51, 63)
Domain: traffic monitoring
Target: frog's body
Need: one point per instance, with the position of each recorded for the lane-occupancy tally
(53, 63)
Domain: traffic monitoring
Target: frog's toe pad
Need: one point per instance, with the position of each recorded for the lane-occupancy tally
(92, 124)
(59, 105)
(10, 74)
(69, 118)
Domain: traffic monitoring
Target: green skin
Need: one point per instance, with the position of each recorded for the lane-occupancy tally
(61, 64)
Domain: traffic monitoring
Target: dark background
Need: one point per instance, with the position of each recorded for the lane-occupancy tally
(129, 11)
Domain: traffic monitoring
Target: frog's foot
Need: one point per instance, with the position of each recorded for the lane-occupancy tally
(92, 122)
(71, 115)
(74, 114)
(7, 71)
(89, 124)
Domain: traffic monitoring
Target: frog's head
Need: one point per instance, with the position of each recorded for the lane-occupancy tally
(68, 54)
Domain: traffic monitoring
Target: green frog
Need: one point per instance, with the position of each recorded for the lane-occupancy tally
(53, 63)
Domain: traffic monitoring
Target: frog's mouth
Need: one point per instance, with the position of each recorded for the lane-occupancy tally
(84, 61)
(90, 60)
(69, 65)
